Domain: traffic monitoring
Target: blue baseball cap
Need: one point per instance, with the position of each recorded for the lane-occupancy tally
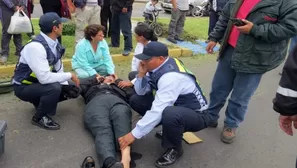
(49, 20)
(153, 49)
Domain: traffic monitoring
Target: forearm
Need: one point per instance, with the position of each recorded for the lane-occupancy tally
(142, 86)
(9, 3)
(126, 156)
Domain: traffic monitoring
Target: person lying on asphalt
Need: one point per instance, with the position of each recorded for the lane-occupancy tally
(107, 116)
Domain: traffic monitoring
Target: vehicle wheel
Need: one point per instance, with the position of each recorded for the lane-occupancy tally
(197, 12)
(158, 30)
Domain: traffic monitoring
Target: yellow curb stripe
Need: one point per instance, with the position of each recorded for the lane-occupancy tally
(7, 71)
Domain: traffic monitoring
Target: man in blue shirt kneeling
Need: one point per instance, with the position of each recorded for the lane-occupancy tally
(167, 94)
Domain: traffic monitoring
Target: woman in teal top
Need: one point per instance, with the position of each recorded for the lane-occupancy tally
(92, 55)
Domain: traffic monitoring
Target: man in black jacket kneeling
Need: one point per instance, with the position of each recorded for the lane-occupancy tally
(108, 117)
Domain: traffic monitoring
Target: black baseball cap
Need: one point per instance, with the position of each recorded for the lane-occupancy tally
(49, 20)
(153, 49)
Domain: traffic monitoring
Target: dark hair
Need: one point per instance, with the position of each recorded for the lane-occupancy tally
(143, 29)
(156, 1)
(92, 30)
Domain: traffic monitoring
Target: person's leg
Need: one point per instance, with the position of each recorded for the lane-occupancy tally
(180, 25)
(222, 84)
(245, 85)
(81, 20)
(212, 21)
(172, 25)
(126, 26)
(82, 73)
(115, 29)
(141, 103)
(101, 70)
(45, 98)
(6, 16)
(57, 9)
(17, 40)
(120, 116)
(95, 15)
(175, 121)
(109, 22)
(104, 17)
(98, 120)
(132, 75)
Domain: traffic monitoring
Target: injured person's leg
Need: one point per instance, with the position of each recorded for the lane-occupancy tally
(108, 117)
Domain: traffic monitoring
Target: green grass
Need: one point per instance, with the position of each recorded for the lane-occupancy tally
(67, 41)
(194, 29)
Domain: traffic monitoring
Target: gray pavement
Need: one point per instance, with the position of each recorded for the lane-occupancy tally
(137, 11)
(260, 142)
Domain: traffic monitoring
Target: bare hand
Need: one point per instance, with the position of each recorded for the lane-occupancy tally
(126, 140)
(99, 78)
(286, 122)
(124, 84)
(124, 10)
(210, 46)
(246, 28)
(75, 79)
(142, 70)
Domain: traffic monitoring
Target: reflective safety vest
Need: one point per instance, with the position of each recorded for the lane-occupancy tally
(24, 75)
(195, 99)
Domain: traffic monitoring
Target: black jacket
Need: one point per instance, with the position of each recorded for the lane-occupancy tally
(285, 101)
(50, 2)
(90, 87)
(118, 5)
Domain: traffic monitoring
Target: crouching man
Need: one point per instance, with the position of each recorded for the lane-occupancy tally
(108, 117)
(179, 104)
(39, 74)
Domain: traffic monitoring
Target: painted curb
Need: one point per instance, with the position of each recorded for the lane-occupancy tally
(7, 71)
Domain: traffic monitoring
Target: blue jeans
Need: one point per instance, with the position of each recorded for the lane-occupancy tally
(293, 43)
(242, 85)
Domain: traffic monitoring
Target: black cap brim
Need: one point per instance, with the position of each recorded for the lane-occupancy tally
(142, 56)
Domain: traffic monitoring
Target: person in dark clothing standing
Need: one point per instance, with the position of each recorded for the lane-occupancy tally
(285, 99)
(8, 8)
(52, 6)
(121, 20)
(216, 6)
(106, 16)
(108, 117)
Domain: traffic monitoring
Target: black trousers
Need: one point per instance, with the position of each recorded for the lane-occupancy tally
(107, 117)
(121, 22)
(45, 98)
(105, 17)
(175, 120)
(132, 75)
(52, 8)
(213, 18)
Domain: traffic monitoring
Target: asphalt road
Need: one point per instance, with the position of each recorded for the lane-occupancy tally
(260, 143)
(137, 11)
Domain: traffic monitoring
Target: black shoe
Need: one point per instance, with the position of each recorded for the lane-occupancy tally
(89, 162)
(46, 123)
(159, 134)
(117, 165)
(178, 39)
(169, 158)
(172, 40)
(213, 124)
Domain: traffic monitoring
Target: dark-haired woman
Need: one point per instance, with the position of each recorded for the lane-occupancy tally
(92, 55)
(143, 35)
